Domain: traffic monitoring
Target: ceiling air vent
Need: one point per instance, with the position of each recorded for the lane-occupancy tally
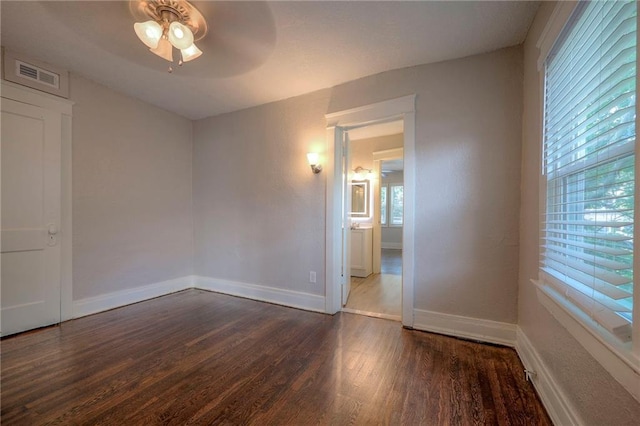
(38, 75)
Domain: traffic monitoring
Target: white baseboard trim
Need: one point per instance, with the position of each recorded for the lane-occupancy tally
(104, 302)
(501, 333)
(397, 246)
(553, 398)
(294, 299)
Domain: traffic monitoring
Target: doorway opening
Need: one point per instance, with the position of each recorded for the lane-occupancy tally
(376, 158)
(340, 190)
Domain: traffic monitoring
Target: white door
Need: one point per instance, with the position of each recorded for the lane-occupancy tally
(346, 217)
(30, 208)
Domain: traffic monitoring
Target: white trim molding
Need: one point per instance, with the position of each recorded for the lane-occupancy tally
(372, 113)
(555, 401)
(279, 296)
(400, 108)
(36, 97)
(64, 107)
(482, 330)
(554, 27)
(117, 299)
(394, 246)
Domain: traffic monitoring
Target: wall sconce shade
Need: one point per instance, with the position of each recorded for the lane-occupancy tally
(360, 173)
(314, 162)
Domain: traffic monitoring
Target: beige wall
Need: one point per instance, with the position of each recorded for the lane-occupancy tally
(260, 213)
(362, 149)
(132, 217)
(468, 137)
(594, 393)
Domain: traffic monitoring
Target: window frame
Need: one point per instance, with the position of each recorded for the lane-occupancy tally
(388, 206)
(621, 360)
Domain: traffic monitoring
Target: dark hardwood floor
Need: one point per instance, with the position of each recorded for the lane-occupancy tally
(197, 357)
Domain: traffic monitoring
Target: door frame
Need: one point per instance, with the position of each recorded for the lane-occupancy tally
(63, 107)
(394, 109)
(379, 157)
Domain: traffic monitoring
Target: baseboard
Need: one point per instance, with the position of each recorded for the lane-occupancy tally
(104, 302)
(553, 398)
(469, 328)
(396, 246)
(294, 299)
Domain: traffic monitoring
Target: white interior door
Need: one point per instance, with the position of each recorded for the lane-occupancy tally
(346, 219)
(30, 217)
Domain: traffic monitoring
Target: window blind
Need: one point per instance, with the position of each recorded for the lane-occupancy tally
(589, 163)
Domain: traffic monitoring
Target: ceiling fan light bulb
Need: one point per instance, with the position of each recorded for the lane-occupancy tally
(148, 32)
(190, 53)
(164, 50)
(180, 35)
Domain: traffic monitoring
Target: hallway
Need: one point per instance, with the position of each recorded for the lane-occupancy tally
(379, 295)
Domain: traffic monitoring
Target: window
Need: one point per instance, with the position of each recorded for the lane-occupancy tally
(383, 205)
(589, 141)
(391, 204)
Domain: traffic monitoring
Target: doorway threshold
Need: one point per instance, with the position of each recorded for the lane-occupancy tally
(372, 314)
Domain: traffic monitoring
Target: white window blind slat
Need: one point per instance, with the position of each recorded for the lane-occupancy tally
(584, 76)
(598, 248)
(600, 273)
(587, 245)
(585, 40)
(591, 88)
(611, 321)
(590, 257)
(615, 293)
(586, 132)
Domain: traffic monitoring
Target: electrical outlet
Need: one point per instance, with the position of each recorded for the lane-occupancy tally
(312, 276)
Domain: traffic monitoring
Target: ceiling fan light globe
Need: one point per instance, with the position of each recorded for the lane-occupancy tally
(149, 33)
(164, 50)
(190, 53)
(180, 35)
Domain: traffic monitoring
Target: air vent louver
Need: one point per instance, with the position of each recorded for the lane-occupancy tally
(28, 72)
(37, 74)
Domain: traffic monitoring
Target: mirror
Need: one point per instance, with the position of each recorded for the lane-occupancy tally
(360, 198)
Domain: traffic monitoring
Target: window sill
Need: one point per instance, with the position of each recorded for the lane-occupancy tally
(616, 357)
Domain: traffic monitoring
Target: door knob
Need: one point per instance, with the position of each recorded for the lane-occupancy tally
(53, 229)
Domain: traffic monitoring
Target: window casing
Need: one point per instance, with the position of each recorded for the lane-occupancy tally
(587, 241)
(391, 204)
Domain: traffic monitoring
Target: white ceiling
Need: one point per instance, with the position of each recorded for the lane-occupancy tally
(259, 52)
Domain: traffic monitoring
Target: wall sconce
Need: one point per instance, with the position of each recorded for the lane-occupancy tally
(360, 173)
(314, 162)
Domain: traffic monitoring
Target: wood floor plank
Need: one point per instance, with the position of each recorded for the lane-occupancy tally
(197, 357)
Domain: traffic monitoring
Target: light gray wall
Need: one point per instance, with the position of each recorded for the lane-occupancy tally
(594, 393)
(468, 143)
(132, 215)
(260, 213)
